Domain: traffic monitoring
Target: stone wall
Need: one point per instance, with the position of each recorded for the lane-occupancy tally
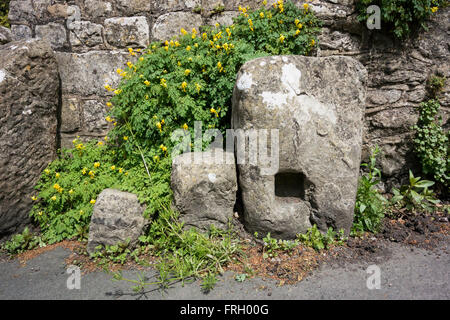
(91, 38)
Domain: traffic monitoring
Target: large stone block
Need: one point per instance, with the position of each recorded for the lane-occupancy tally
(86, 33)
(117, 218)
(54, 33)
(20, 32)
(170, 24)
(317, 104)
(204, 191)
(86, 74)
(5, 35)
(29, 93)
(125, 32)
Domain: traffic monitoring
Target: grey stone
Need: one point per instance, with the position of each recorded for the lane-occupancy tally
(124, 32)
(127, 7)
(98, 8)
(54, 33)
(86, 74)
(21, 12)
(5, 35)
(317, 104)
(164, 6)
(94, 113)
(70, 115)
(29, 93)
(117, 218)
(170, 24)
(20, 32)
(86, 33)
(224, 18)
(205, 192)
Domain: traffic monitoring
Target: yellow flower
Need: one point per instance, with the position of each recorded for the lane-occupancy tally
(158, 125)
(162, 121)
(109, 104)
(163, 148)
(91, 173)
(92, 201)
(147, 83)
(108, 118)
(282, 38)
(118, 91)
(70, 191)
(129, 64)
(164, 83)
(313, 42)
(141, 59)
(119, 71)
(264, 2)
(113, 167)
(105, 138)
(305, 5)
(56, 186)
(40, 213)
(47, 171)
(187, 72)
(204, 36)
(156, 158)
(100, 143)
(188, 48)
(34, 198)
(177, 44)
(261, 14)
(184, 32)
(79, 146)
(96, 164)
(198, 87)
(84, 171)
(53, 198)
(125, 138)
(434, 9)
(120, 170)
(81, 212)
(297, 32)
(57, 175)
(184, 85)
(185, 126)
(219, 66)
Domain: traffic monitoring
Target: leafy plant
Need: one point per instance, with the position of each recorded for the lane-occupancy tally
(370, 204)
(273, 246)
(416, 195)
(435, 84)
(22, 242)
(401, 17)
(4, 9)
(315, 239)
(431, 143)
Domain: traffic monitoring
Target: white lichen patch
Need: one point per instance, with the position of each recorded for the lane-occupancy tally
(245, 82)
(310, 105)
(290, 77)
(274, 99)
(2, 75)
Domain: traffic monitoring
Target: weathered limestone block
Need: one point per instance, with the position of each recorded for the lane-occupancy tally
(224, 18)
(170, 24)
(94, 9)
(5, 35)
(86, 33)
(317, 104)
(21, 12)
(94, 113)
(70, 115)
(86, 74)
(205, 193)
(163, 6)
(29, 92)
(20, 32)
(54, 33)
(124, 32)
(117, 218)
(127, 7)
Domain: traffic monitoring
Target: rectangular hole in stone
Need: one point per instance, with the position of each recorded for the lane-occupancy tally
(290, 185)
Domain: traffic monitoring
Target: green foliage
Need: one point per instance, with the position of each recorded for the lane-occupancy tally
(318, 241)
(191, 78)
(22, 242)
(401, 17)
(272, 247)
(4, 9)
(416, 195)
(435, 84)
(370, 204)
(69, 186)
(431, 143)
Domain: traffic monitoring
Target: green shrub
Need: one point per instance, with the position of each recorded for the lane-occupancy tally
(431, 143)
(370, 204)
(415, 195)
(273, 246)
(22, 242)
(401, 17)
(318, 241)
(4, 9)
